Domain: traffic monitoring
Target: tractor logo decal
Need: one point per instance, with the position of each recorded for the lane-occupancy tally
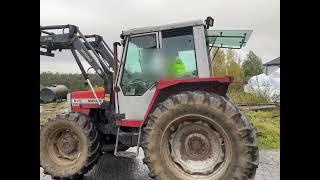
(76, 102)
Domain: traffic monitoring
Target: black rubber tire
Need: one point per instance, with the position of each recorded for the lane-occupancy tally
(245, 154)
(88, 136)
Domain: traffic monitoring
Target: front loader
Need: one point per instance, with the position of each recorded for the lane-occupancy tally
(161, 95)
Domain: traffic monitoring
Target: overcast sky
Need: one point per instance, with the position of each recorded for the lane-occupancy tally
(109, 18)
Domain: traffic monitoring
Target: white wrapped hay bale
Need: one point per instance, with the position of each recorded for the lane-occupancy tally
(267, 85)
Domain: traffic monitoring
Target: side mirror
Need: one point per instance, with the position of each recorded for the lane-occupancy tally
(121, 36)
(209, 22)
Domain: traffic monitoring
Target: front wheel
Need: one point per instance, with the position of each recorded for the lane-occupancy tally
(69, 146)
(199, 135)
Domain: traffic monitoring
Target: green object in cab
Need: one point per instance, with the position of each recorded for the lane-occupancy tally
(177, 68)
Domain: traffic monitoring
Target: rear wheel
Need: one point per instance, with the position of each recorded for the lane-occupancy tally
(198, 135)
(69, 146)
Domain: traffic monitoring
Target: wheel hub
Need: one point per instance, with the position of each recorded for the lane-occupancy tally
(67, 145)
(196, 147)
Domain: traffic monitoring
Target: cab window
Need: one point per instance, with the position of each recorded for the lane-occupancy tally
(178, 48)
(140, 50)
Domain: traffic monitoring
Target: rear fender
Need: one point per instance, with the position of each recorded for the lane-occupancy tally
(167, 88)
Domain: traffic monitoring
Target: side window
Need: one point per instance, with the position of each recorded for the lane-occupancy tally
(178, 47)
(134, 79)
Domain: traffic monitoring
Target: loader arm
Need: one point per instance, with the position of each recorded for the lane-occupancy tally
(101, 60)
(101, 47)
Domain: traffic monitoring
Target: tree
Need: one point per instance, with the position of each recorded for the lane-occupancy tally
(225, 64)
(252, 65)
(219, 63)
(233, 68)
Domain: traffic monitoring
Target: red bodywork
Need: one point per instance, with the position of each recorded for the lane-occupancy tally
(83, 101)
(163, 84)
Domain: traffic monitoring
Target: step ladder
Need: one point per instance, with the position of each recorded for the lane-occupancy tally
(126, 153)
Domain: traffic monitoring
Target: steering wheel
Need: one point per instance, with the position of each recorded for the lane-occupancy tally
(139, 85)
(136, 81)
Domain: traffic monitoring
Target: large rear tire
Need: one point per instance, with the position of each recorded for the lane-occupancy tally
(199, 135)
(69, 146)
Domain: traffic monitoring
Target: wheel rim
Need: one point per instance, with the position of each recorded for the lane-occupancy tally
(194, 145)
(64, 146)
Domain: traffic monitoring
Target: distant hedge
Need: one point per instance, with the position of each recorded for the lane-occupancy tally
(75, 82)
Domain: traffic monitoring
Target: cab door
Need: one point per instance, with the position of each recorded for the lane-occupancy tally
(135, 88)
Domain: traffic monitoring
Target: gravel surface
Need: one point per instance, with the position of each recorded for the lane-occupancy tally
(269, 167)
(110, 167)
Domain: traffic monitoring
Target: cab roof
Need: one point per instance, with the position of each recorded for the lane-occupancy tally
(162, 27)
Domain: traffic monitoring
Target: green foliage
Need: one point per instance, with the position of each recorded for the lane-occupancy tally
(238, 95)
(252, 65)
(219, 63)
(230, 56)
(267, 126)
(75, 82)
(58, 105)
(226, 64)
(233, 68)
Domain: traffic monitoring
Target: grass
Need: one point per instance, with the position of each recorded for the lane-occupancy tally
(57, 105)
(241, 97)
(51, 109)
(267, 126)
(266, 123)
(45, 115)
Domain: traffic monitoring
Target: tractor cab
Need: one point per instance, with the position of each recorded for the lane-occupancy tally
(168, 52)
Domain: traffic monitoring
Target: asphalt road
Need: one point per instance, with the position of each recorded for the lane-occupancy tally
(110, 167)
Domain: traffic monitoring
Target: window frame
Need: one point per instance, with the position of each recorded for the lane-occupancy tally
(125, 59)
(194, 46)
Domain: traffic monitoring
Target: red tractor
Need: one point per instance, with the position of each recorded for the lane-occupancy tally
(182, 118)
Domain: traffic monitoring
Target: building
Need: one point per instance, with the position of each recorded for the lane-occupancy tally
(271, 66)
